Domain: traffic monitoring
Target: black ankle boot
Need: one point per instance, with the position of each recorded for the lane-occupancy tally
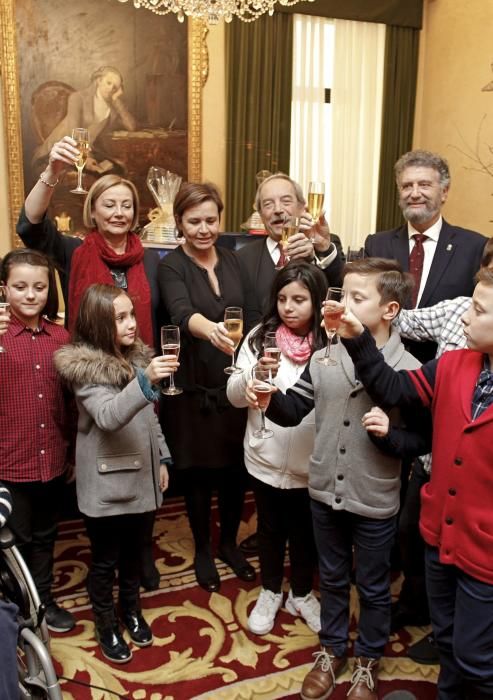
(110, 639)
(138, 629)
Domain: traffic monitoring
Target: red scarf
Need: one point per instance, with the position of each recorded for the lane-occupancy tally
(297, 347)
(91, 263)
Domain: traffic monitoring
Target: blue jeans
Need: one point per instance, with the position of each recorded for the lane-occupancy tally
(336, 532)
(461, 610)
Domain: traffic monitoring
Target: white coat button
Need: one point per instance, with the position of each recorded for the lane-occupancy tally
(104, 466)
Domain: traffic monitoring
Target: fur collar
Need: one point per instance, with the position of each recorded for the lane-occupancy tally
(82, 364)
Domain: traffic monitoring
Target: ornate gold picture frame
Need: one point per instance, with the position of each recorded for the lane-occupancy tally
(16, 99)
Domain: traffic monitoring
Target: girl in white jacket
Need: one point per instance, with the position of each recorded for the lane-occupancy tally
(279, 465)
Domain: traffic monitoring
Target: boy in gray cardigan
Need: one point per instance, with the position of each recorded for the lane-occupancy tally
(354, 482)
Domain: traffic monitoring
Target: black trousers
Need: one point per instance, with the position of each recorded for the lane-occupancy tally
(34, 523)
(412, 547)
(284, 518)
(116, 544)
(198, 485)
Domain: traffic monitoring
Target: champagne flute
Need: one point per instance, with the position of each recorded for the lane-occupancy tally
(170, 345)
(233, 321)
(316, 196)
(290, 227)
(262, 387)
(4, 306)
(81, 136)
(331, 321)
(271, 348)
(355, 254)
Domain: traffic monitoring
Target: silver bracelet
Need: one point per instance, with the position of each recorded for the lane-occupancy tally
(42, 177)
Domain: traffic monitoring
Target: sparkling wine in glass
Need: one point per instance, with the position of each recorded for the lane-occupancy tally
(233, 321)
(290, 227)
(271, 348)
(262, 387)
(81, 136)
(4, 306)
(316, 196)
(331, 321)
(170, 345)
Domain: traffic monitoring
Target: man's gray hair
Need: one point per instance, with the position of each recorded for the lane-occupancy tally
(279, 176)
(423, 159)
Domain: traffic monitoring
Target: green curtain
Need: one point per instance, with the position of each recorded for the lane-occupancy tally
(399, 97)
(259, 58)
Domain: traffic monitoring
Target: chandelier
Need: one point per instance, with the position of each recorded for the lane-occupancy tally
(211, 11)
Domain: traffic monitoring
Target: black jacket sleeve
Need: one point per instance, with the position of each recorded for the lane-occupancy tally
(386, 386)
(290, 408)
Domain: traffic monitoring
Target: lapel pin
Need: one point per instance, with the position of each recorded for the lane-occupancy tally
(449, 247)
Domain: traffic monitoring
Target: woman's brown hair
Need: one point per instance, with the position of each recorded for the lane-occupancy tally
(95, 323)
(191, 194)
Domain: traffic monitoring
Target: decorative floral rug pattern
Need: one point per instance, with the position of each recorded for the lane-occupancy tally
(202, 647)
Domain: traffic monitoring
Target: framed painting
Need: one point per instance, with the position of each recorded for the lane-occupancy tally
(132, 78)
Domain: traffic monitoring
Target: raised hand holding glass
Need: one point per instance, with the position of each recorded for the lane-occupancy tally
(81, 136)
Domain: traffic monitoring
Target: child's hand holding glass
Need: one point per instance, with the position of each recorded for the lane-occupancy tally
(161, 367)
(4, 318)
(349, 325)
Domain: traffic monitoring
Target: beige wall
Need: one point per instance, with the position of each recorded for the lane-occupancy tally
(456, 54)
(214, 112)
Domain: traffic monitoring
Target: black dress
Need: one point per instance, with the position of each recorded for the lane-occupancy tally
(201, 427)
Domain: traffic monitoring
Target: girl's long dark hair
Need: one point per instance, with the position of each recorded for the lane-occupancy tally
(95, 323)
(315, 282)
(26, 256)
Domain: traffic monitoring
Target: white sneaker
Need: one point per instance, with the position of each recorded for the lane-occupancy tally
(308, 608)
(262, 617)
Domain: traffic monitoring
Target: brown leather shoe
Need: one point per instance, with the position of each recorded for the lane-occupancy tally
(364, 681)
(321, 680)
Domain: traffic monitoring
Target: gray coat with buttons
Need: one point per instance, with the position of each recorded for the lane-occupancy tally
(347, 470)
(119, 440)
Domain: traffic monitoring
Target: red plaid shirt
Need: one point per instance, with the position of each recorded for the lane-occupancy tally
(36, 419)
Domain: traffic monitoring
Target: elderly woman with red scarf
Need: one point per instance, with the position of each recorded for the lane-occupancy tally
(110, 253)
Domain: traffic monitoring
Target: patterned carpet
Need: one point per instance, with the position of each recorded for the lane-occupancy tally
(202, 648)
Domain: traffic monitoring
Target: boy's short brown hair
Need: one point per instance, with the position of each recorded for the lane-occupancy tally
(487, 253)
(393, 284)
(485, 275)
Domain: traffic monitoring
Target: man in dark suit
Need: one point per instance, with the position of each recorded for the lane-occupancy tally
(444, 268)
(278, 197)
(452, 255)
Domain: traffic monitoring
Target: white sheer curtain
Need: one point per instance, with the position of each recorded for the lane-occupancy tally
(357, 117)
(311, 129)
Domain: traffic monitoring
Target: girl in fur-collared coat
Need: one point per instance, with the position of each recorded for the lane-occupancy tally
(120, 455)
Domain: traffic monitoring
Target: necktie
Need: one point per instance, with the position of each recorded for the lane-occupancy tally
(282, 257)
(416, 260)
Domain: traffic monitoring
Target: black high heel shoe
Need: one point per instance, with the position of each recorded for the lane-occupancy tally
(206, 572)
(235, 560)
